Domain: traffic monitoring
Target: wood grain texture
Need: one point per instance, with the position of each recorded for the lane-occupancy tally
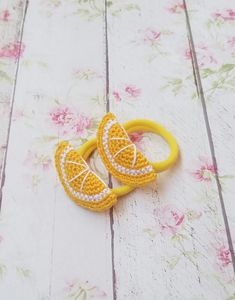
(163, 234)
(11, 23)
(165, 241)
(214, 46)
(51, 248)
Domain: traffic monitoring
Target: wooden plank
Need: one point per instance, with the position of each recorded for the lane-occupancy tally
(11, 15)
(212, 26)
(163, 234)
(51, 248)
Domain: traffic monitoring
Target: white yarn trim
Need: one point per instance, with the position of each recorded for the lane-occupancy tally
(80, 195)
(118, 167)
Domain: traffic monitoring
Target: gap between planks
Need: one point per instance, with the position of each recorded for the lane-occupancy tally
(107, 108)
(200, 92)
(21, 31)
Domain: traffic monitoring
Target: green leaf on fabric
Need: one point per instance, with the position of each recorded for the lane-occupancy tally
(5, 76)
(207, 72)
(226, 68)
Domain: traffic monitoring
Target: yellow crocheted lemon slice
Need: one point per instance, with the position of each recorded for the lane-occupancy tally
(120, 155)
(81, 184)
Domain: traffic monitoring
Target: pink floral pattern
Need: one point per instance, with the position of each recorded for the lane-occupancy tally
(117, 96)
(151, 35)
(204, 56)
(68, 120)
(61, 116)
(231, 43)
(12, 50)
(170, 219)
(151, 38)
(177, 8)
(126, 92)
(206, 172)
(4, 15)
(81, 124)
(132, 91)
(227, 15)
(182, 226)
(224, 256)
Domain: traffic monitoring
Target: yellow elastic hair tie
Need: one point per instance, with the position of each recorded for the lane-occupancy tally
(133, 126)
(121, 158)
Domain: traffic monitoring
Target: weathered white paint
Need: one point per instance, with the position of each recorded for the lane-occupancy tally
(169, 238)
(11, 16)
(217, 34)
(144, 253)
(50, 246)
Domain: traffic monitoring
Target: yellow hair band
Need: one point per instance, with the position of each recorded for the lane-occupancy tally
(121, 158)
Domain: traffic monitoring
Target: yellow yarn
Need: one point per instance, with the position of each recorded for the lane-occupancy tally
(120, 155)
(122, 160)
(80, 183)
(150, 126)
(142, 125)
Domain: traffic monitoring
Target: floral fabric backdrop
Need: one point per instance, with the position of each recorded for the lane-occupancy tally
(170, 240)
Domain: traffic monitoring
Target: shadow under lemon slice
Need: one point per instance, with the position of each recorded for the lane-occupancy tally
(81, 184)
(120, 155)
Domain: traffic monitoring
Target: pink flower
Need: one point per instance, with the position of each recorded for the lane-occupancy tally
(231, 42)
(177, 8)
(228, 15)
(205, 173)
(132, 91)
(170, 218)
(151, 35)
(137, 138)
(224, 256)
(81, 123)
(4, 15)
(188, 54)
(117, 96)
(61, 116)
(12, 50)
(204, 56)
(70, 122)
(129, 90)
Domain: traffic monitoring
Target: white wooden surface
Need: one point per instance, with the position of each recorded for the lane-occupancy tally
(11, 20)
(213, 33)
(170, 240)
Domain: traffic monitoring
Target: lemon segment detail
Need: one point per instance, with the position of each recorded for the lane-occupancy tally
(120, 155)
(81, 184)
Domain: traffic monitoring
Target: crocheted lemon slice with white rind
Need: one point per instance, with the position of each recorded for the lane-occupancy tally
(120, 155)
(81, 184)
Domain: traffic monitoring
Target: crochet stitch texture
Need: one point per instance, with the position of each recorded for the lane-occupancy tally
(120, 155)
(81, 184)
